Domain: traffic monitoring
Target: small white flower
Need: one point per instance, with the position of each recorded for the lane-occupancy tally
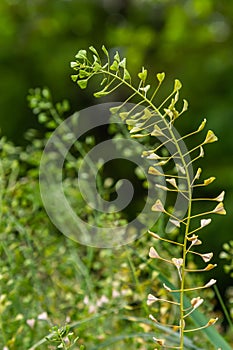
(102, 300)
(86, 300)
(31, 322)
(115, 293)
(43, 316)
(92, 309)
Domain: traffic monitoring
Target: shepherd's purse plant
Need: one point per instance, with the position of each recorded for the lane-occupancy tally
(154, 124)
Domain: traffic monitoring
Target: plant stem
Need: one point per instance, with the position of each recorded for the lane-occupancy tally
(182, 322)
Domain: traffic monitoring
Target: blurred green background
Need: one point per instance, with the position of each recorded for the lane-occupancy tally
(188, 39)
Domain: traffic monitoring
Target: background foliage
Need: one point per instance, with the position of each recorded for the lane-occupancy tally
(188, 39)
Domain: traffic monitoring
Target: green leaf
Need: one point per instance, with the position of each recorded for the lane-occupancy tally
(83, 83)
